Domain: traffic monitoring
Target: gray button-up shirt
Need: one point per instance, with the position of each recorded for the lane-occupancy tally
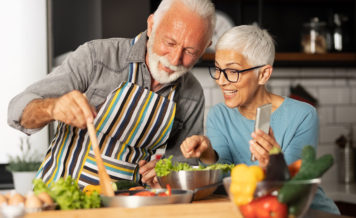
(98, 67)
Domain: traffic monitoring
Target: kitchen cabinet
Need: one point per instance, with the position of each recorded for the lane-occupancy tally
(284, 20)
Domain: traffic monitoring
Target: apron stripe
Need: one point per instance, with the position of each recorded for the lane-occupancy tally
(119, 107)
(84, 151)
(139, 120)
(156, 124)
(58, 157)
(144, 138)
(164, 135)
(119, 116)
(109, 110)
(89, 180)
(76, 151)
(128, 115)
(68, 157)
(148, 122)
(111, 167)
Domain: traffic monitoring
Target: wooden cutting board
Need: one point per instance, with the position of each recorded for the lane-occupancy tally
(223, 209)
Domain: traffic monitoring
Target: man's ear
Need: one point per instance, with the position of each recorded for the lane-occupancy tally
(265, 74)
(149, 25)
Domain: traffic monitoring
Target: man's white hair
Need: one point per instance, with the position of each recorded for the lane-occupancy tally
(204, 8)
(254, 43)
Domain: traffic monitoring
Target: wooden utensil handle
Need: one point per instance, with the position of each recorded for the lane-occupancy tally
(104, 179)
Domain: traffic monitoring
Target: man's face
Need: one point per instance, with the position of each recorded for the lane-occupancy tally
(176, 44)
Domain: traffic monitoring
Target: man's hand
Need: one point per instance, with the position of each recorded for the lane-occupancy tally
(261, 144)
(148, 173)
(198, 146)
(72, 108)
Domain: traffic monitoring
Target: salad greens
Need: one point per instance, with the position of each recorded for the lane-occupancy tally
(67, 195)
(165, 166)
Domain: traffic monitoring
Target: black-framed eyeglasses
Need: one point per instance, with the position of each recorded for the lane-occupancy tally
(232, 75)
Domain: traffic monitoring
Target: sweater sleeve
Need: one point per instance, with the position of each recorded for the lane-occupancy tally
(215, 128)
(307, 133)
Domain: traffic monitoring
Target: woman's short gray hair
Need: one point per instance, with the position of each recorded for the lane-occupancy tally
(204, 8)
(254, 43)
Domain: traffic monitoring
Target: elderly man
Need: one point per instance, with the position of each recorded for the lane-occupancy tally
(137, 92)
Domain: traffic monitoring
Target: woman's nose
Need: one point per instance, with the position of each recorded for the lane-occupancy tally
(222, 79)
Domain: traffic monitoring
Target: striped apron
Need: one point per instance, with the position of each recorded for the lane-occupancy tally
(131, 125)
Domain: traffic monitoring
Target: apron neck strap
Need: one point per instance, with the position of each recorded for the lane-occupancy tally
(133, 65)
(172, 92)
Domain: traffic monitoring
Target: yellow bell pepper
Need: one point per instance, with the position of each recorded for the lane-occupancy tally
(244, 180)
(89, 189)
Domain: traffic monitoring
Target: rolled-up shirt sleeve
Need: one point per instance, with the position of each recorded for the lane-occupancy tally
(73, 74)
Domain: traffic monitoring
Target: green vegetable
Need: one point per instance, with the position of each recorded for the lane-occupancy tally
(311, 168)
(124, 185)
(165, 166)
(296, 207)
(67, 195)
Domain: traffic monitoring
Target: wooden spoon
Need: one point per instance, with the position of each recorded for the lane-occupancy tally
(104, 179)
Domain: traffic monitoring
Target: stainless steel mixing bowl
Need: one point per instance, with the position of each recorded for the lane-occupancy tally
(194, 180)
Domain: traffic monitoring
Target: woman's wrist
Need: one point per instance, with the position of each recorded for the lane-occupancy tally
(209, 156)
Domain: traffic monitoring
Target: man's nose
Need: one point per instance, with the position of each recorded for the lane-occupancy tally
(176, 56)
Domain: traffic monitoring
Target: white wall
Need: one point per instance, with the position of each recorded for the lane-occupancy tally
(23, 60)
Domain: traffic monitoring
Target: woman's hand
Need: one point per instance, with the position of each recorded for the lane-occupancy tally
(198, 146)
(261, 144)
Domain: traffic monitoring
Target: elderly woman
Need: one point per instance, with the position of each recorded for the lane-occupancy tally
(243, 65)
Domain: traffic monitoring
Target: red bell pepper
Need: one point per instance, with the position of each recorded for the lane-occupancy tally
(264, 207)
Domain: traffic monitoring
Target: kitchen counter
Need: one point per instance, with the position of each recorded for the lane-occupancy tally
(213, 207)
(340, 191)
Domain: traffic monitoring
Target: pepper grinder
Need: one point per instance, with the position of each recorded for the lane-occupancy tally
(345, 159)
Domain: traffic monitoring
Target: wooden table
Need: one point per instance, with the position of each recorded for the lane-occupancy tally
(215, 206)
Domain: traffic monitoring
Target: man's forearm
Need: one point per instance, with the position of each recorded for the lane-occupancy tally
(37, 113)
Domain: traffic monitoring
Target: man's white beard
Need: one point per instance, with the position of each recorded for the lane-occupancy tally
(162, 76)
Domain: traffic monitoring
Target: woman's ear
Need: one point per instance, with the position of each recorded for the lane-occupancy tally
(149, 25)
(265, 74)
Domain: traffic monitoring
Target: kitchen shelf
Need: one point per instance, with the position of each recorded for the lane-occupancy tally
(297, 59)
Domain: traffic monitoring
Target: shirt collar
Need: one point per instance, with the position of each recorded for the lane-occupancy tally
(137, 52)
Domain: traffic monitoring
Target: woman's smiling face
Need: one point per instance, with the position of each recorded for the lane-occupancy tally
(242, 92)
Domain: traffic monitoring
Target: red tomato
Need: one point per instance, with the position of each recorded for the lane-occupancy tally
(248, 210)
(162, 194)
(145, 193)
(124, 194)
(264, 207)
(271, 207)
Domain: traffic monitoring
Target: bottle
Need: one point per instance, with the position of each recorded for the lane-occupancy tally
(337, 35)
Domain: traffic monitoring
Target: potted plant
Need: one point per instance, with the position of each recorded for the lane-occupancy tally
(24, 166)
